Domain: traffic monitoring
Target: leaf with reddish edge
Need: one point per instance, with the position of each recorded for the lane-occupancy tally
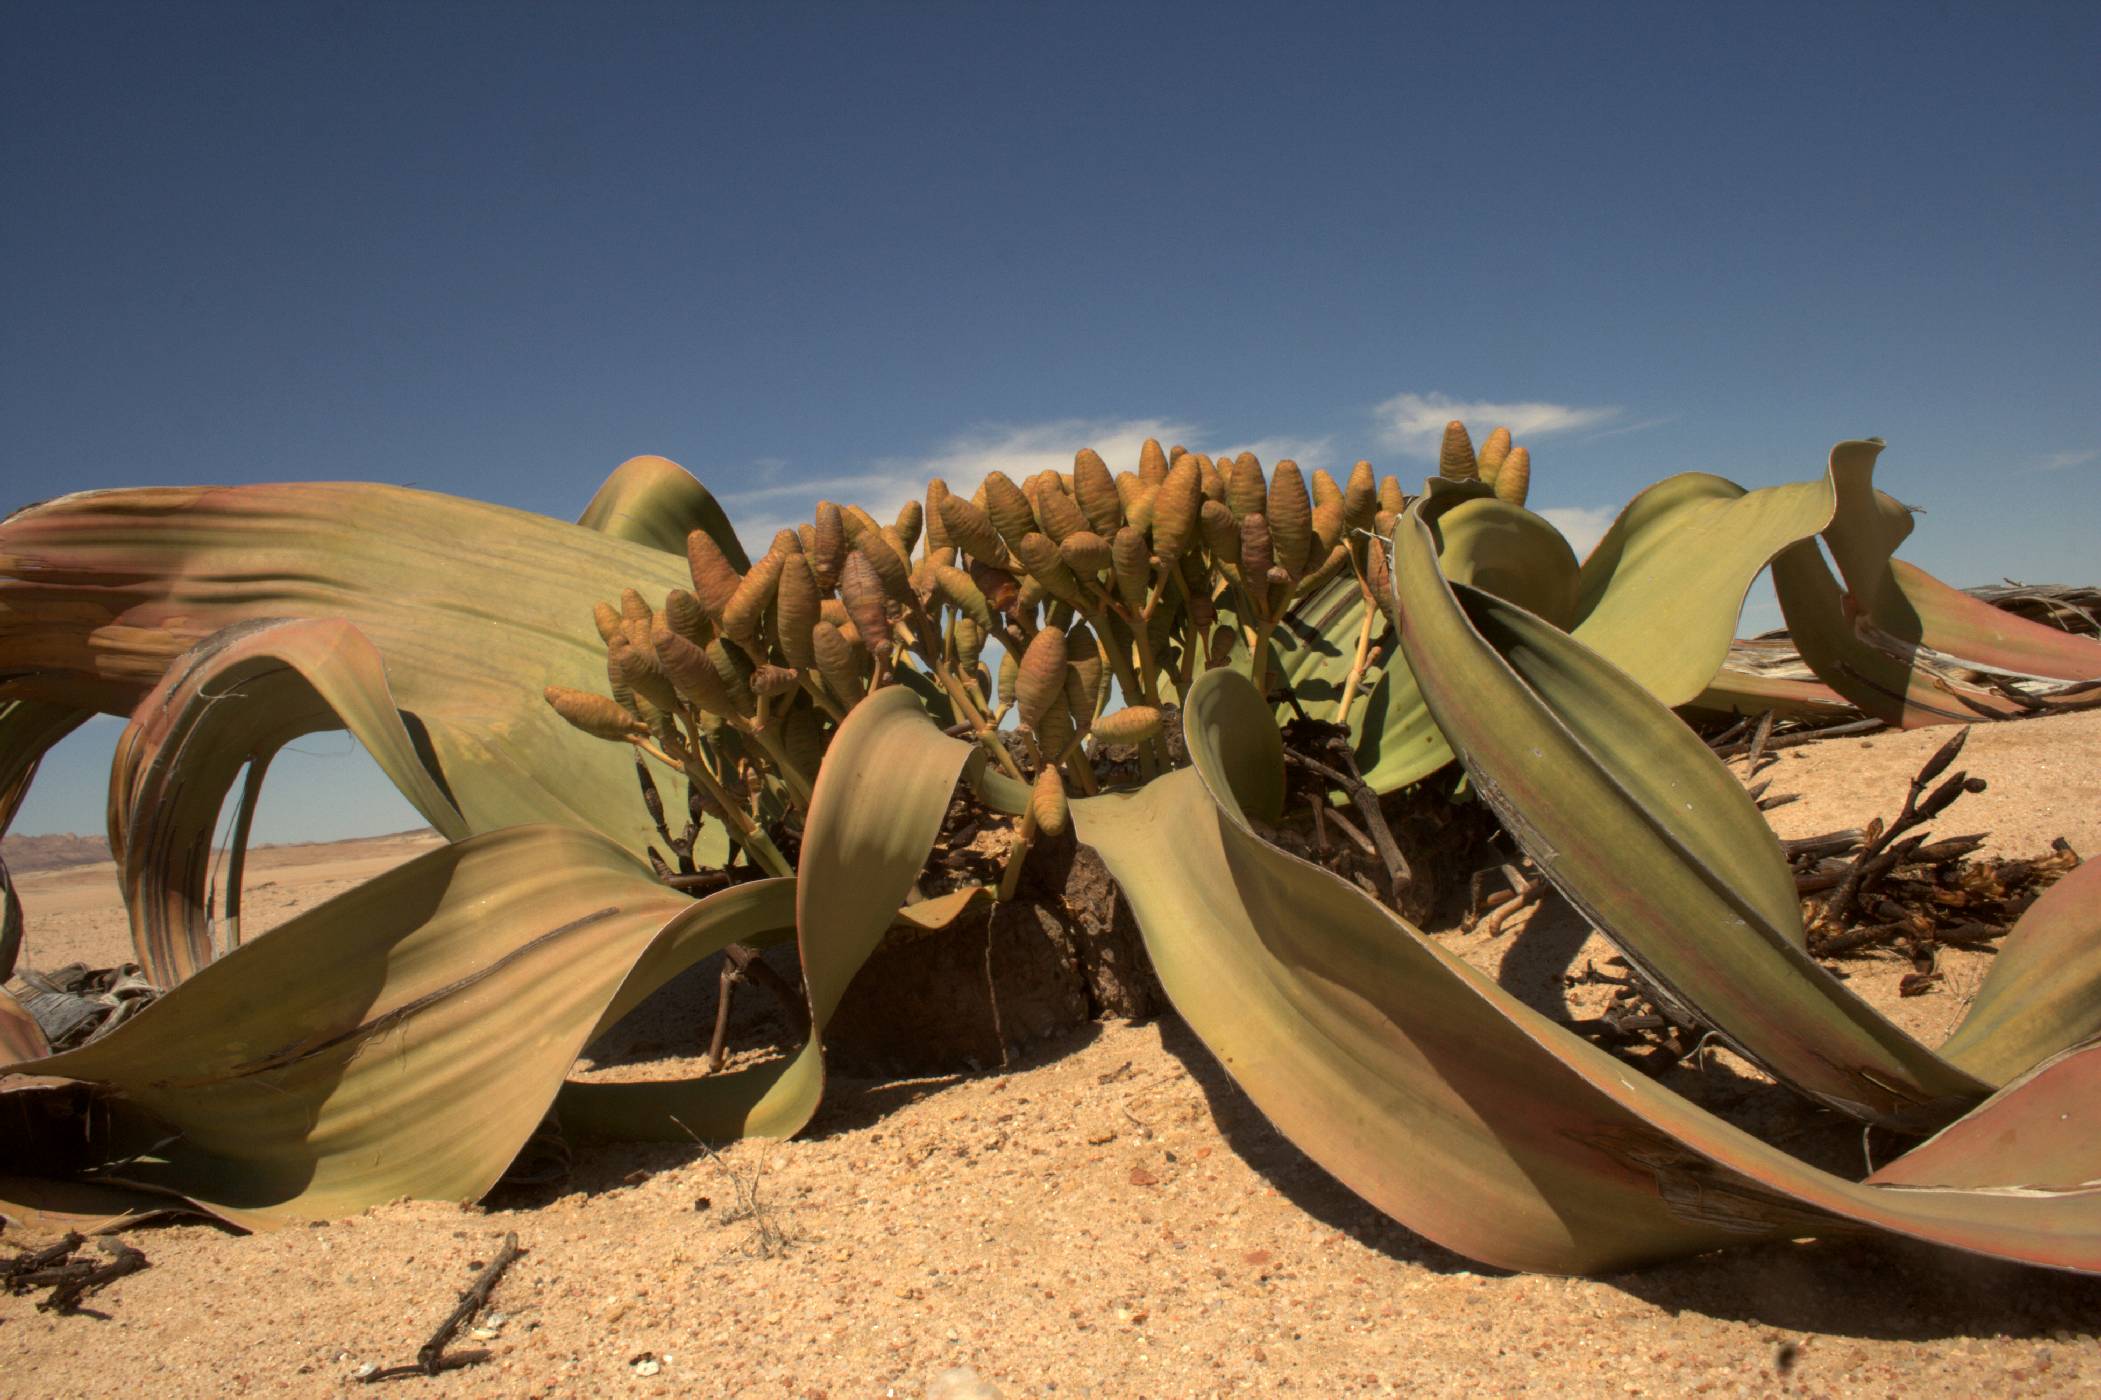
(656, 502)
(1638, 823)
(1435, 1094)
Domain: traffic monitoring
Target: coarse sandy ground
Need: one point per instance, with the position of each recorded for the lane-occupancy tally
(1109, 1218)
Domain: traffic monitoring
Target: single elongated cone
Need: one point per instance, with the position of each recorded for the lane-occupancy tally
(715, 580)
(646, 679)
(1378, 574)
(1327, 527)
(1085, 553)
(1290, 517)
(1256, 553)
(1325, 490)
(910, 518)
(835, 662)
(1129, 489)
(798, 606)
(606, 618)
(1130, 725)
(830, 553)
(807, 533)
(747, 606)
(1494, 452)
(775, 680)
(1138, 510)
(1391, 496)
(1041, 683)
(1009, 677)
(691, 674)
(937, 535)
(635, 617)
(861, 589)
(959, 592)
(1221, 534)
(1197, 583)
(1360, 498)
(1095, 490)
(1060, 514)
(1514, 481)
(1455, 458)
(834, 612)
(1085, 672)
(1214, 480)
(972, 531)
(970, 637)
(684, 615)
(1001, 589)
(1047, 802)
(1152, 462)
(803, 737)
(1383, 524)
(595, 714)
(1246, 492)
(857, 521)
(1336, 560)
(1175, 507)
(1223, 640)
(1131, 557)
(1054, 732)
(735, 668)
(616, 676)
(890, 568)
(1008, 509)
(1045, 565)
(785, 542)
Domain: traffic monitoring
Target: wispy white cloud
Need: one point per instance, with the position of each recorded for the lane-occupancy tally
(1414, 423)
(2060, 461)
(1582, 526)
(1016, 449)
(1643, 426)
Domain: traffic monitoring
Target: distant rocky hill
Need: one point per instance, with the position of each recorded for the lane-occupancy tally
(24, 854)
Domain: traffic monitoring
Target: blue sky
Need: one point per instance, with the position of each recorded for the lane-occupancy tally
(496, 250)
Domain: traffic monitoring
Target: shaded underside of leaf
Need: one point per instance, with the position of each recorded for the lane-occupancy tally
(236, 699)
(28, 729)
(1436, 1095)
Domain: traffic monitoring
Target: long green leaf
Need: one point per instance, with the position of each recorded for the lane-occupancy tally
(1438, 1096)
(1642, 828)
(402, 1039)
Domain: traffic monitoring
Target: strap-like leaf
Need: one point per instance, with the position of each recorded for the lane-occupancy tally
(1438, 1096)
(2043, 992)
(402, 1039)
(1635, 820)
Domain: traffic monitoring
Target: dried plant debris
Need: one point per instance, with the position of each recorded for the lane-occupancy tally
(71, 1279)
(77, 1004)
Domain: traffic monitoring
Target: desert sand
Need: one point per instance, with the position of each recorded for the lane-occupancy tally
(1109, 1217)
